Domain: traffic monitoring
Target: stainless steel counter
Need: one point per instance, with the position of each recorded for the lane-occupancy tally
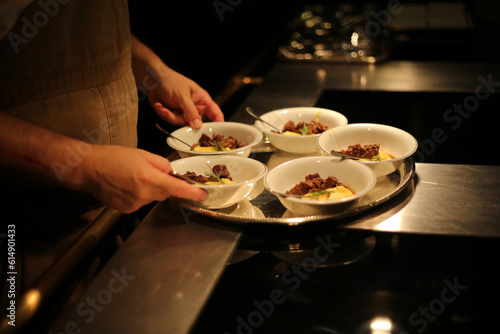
(291, 85)
(161, 278)
(454, 200)
(446, 199)
(158, 281)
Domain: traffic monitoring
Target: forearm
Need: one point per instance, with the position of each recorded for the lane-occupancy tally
(146, 65)
(121, 177)
(38, 154)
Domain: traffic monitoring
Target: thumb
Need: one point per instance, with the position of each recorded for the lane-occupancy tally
(177, 187)
(158, 162)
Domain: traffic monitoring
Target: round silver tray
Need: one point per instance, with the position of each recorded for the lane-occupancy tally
(266, 208)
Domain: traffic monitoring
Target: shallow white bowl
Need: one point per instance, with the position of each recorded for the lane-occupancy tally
(283, 177)
(247, 174)
(240, 131)
(297, 144)
(393, 141)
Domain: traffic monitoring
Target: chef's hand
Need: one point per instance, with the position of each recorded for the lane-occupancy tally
(126, 178)
(180, 101)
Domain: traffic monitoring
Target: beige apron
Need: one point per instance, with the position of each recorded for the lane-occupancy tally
(67, 67)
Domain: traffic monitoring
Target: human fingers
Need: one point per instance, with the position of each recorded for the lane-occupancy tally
(182, 189)
(172, 117)
(213, 111)
(191, 112)
(167, 185)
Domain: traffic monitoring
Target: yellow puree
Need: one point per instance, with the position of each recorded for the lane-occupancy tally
(333, 193)
(215, 183)
(383, 156)
(290, 133)
(209, 149)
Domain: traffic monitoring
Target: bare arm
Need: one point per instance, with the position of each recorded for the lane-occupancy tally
(120, 177)
(175, 98)
(34, 152)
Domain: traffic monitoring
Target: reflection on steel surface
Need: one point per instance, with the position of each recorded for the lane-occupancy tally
(339, 33)
(266, 208)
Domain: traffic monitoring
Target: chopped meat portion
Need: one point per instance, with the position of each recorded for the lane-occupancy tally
(190, 175)
(331, 182)
(305, 128)
(204, 140)
(221, 171)
(218, 141)
(218, 137)
(314, 183)
(312, 176)
(197, 178)
(321, 127)
(201, 179)
(365, 151)
(217, 172)
(289, 126)
(231, 142)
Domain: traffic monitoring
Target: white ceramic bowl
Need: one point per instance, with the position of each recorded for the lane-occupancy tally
(247, 174)
(283, 177)
(297, 144)
(240, 131)
(393, 141)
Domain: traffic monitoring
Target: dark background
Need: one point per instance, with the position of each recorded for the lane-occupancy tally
(191, 38)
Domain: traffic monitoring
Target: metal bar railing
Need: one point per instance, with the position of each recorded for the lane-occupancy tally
(57, 275)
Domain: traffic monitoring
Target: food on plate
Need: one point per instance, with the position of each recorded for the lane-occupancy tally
(369, 152)
(316, 187)
(304, 128)
(217, 143)
(218, 175)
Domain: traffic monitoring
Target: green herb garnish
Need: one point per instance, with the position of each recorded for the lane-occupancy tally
(318, 193)
(305, 130)
(322, 192)
(213, 176)
(219, 145)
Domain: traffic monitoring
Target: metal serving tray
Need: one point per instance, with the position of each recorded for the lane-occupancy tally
(267, 209)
